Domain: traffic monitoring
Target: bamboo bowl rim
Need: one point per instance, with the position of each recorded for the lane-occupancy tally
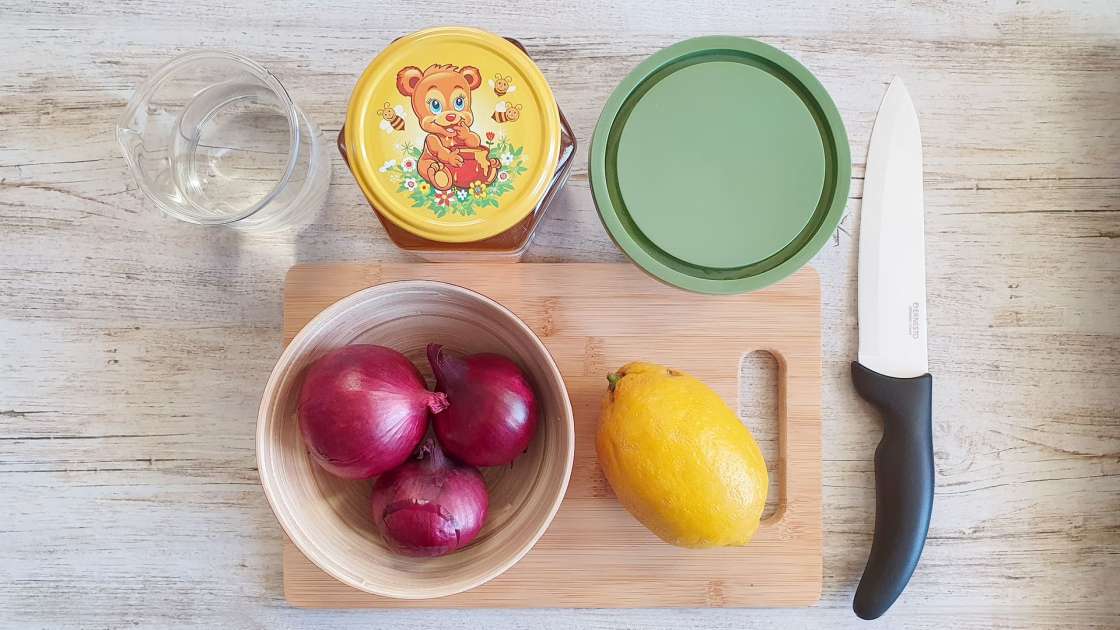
(276, 481)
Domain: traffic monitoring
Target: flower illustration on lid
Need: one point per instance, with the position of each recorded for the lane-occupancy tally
(491, 173)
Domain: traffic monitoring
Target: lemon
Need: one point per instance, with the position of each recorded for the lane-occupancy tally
(679, 459)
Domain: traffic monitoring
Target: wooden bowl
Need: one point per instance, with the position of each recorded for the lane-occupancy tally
(329, 518)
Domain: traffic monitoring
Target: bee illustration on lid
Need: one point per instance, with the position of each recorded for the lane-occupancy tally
(392, 118)
(505, 111)
(502, 85)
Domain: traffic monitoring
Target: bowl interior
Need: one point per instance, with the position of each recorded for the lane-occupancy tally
(328, 518)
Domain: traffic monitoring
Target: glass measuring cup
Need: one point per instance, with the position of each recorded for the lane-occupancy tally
(213, 138)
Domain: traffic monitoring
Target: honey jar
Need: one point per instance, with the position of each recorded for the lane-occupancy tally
(456, 140)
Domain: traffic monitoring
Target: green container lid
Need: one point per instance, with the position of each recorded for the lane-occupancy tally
(720, 165)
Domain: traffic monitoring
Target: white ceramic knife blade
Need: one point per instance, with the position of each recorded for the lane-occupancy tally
(892, 266)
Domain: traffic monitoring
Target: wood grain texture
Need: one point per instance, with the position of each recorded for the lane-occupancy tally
(133, 348)
(595, 318)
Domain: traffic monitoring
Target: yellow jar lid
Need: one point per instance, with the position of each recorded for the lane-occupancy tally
(453, 134)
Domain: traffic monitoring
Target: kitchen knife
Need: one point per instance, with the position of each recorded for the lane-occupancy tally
(892, 372)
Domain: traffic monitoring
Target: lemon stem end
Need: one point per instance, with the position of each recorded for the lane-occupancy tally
(613, 378)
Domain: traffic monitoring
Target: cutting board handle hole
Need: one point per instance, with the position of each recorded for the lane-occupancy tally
(760, 404)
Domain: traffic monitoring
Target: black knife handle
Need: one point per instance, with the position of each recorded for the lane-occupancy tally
(903, 485)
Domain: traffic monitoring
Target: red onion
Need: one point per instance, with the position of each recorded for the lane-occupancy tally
(363, 409)
(430, 506)
(492, 412)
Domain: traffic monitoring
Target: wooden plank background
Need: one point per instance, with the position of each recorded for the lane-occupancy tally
(133, 348)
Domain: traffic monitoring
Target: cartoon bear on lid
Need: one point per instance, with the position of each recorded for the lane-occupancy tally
(441, 100)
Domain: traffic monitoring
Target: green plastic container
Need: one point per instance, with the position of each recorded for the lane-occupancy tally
(720, 165)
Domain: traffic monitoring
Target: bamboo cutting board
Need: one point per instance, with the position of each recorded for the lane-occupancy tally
(594, 318)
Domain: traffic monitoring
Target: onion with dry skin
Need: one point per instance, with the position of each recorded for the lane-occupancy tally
(431, 505)
(363, 409)
(492, 411)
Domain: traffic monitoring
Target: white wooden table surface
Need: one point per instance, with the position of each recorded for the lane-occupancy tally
(133, 348)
